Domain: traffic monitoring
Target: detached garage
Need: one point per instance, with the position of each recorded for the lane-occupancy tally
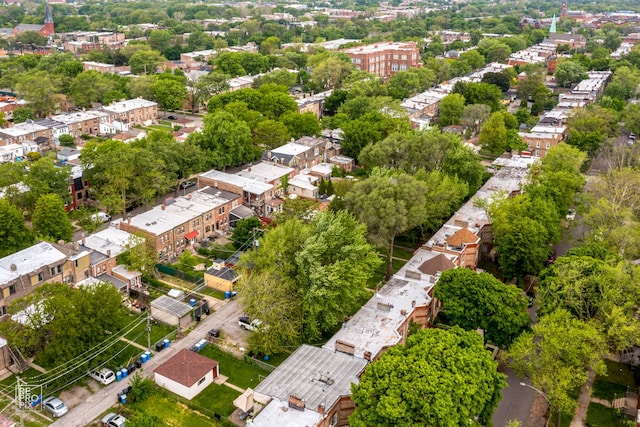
(171, 312)
(187, 373)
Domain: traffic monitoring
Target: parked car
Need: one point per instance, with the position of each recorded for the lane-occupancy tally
(632, 136)
(250, 325)
(55, 406)
(101, 216)
(186, 184)
(103, 375)
(113, 420)
(172, 117)
(571, 215)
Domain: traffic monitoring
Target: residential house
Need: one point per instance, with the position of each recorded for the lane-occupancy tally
(184, 221)
(85, 123)
(41, 263)
(104, 248)
(11, 152)
(269, 173)
(193, 59)
(27, 131)
(187, 373)
(134, 112)
(304, 186)
(310, 388)
(304, 153)
(132, 278)
(256, 195)
(57, 128)
(574, 41)
(313, 103)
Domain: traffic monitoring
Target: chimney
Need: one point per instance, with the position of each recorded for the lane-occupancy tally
(84, 239)
(76, 246)
(321, 409)
(162, 207)
(109, 253)
(129, 220)
(13, 267)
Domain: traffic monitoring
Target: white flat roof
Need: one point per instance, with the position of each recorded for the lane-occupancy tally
(265, 172)
(248, 185)
(110, 239)
(278, 413)
(23, 129)
(29, 260)
(79, 116)
(290, 149)
(128, 105)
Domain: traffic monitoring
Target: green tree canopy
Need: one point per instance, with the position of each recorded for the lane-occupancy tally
(14, 234)
(480, 301)
(569, 72)
(243, 232)
(389, 204)
(438, 378)
(226, 139)
(451, 109)
(557, 357)
(304, 279)
(50, 219)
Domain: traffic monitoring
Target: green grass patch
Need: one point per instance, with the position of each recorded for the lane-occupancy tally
(158, 331)
(217, 398)
(172, 412)
(600, 416)
(614, 384)
(239, 372)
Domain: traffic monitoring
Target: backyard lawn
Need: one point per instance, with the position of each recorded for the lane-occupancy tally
(601, 416)
(172, 412)
(159, 331)
(615, 383)
(239, 372)
(217, 398)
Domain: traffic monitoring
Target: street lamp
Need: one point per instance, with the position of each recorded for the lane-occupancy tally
(543, 395)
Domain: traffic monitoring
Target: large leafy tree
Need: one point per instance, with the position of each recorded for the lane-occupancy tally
(270, 134)
(14, 235)
(480, 301)
(304, 279)
(40, 89)
(568, 72)
(389, 204)
(438, 378)
(603, 291)
(451, 109)
(245, 231)
(89, 87)
(557, 356)
(493, 135)
(226, 139)
(44, 177)
(50, 219)
(524, 228)
(122, 174)
(68, 321)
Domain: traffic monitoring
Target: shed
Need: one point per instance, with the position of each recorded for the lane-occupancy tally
(171, 312)
(187, 373)
(221, 277)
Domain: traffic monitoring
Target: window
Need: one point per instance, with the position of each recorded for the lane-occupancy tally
(208, 217)
(221, 211)
(537, 145)
(59, 269)
(403, 67)
(3, 310)
(12, 289)
(395, 56)
(75, 263)
(548, 145)
(201, 380)
(334, 420)
(53, 271)
(394, 67)
(40, 277)
(404, 57)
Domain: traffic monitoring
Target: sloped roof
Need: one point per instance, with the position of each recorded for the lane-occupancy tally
(438, 263)
(186, 367)
(464, 235)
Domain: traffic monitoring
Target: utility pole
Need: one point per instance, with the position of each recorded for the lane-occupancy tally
(149, 329)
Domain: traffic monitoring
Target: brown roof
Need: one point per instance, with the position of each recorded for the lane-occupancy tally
(436, 264)
(464, 235)
(186, 367)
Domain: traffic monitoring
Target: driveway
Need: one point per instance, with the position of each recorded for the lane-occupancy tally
(224, 318)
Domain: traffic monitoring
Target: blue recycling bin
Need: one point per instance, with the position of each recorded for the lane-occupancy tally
(166, 343)
(123, 398)
(144, 357)
(227, 295)
(192, 302)
(148, 353)
(118, 375)
(125, 372)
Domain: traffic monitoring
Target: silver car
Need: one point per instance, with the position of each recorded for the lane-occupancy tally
(113, 420)
(55, 406)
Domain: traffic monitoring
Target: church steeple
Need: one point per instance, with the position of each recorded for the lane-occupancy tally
(48, 16)
(552, 29)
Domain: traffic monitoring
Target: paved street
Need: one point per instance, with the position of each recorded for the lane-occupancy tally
(519, 403)
(224, 317)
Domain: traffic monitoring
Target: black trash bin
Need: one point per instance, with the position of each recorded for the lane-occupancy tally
(215, 333)
(131, 368)
(138, 364)
(159, 346)
(205, 307)
(198, 317)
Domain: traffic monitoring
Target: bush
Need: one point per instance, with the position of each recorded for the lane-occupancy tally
(141, 388)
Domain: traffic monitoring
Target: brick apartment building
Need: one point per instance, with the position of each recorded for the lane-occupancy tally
(385, 59)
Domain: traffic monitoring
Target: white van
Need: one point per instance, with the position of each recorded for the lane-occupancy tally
(101, 217)
(104, 376)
